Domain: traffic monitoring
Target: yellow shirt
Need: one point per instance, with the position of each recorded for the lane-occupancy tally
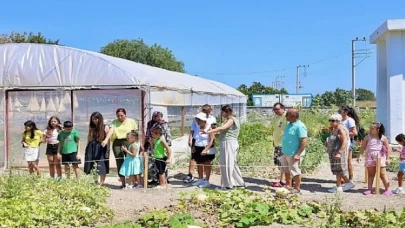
(122, 129)
(35, 141)
(279, 124)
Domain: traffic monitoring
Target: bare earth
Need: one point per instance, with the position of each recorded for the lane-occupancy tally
(128, 204)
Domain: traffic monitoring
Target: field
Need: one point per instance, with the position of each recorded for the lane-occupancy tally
(27, 201)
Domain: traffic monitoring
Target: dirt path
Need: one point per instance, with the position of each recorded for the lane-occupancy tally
(128, 203)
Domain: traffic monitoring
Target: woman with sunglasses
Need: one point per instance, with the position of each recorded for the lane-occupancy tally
(338, 151)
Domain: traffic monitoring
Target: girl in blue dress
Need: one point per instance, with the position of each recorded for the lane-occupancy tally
(132, 167)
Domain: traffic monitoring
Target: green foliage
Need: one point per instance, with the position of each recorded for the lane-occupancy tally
(242, 208)
(342, 97)
(258, 88)
(138, 51)
(16, 37)
(315, 154)
(31, 201)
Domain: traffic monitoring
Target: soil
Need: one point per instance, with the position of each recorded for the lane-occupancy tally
(129, 204)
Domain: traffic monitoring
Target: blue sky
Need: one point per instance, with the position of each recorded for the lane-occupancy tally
(233, 42)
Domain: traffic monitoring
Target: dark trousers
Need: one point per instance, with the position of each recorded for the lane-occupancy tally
(118, 153)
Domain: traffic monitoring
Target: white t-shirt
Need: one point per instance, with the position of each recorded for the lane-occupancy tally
(196, 129)
(349, 123)
(202, 139)
(53, 137)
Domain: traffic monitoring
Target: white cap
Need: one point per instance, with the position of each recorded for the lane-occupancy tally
(202, 116)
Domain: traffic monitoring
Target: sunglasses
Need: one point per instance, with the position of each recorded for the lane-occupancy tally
(332, 121)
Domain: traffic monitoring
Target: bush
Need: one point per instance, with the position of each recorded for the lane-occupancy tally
(315, 154)
(31, 201)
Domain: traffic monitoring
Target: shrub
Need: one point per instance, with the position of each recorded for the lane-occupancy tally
(31, 201)
(315, 154)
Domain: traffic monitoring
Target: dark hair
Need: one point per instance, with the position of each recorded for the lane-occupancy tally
(157, 130)
(99, 129)
(33, 127)
(400, 138)
(351, 112)
(227, 109)
(381, 129)
(133, 134)
(121, 110)
(67, 124)
(278, 103)
(206, 109)
(49, 128)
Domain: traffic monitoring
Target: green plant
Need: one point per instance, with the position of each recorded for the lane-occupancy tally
(31, 201)
(315, 154)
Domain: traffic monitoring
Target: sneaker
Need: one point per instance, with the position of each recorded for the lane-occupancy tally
(129, 187)
(122, 187)
(399, 191)
(138, 186)
(348, 186)
(58, 179)
(205, 184)
(199, 182)
(335, 189)
(189, 179)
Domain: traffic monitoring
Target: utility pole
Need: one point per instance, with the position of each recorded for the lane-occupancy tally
(298, 83)
(278, 82)
(354, 55)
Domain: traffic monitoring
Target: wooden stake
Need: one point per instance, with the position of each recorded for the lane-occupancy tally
(377, 176)
(365, 175)
(145, 171)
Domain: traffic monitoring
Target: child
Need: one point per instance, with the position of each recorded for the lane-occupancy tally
(132, 166)
(162, 154)
(52, 144)
(69, 144)
(401, 140)
(31, 140)
(377, 147)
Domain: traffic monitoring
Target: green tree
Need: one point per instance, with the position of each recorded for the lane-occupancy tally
(138, 51)
(364, 95)
(258, 88)
(25, 37)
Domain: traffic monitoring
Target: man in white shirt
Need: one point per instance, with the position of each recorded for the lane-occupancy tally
(194, 131)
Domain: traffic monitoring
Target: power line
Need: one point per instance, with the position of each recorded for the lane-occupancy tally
(270, 71)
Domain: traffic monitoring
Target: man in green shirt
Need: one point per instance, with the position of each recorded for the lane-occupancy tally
(69, 143)
(278, 125)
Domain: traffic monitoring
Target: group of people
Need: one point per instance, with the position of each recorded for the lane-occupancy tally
(202, 137)
(63, 144)
(290, 139)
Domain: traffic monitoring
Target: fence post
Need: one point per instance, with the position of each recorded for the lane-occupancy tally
(377, 176)
(365, 175)
(183, 115)
(145, 171)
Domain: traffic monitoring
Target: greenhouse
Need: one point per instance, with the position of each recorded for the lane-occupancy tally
(39, 81)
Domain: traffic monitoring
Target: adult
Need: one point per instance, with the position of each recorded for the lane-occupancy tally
(95, 152)
(157, 121)
(350, 120)
(279, 123)
(203, 145)
(293, 148)
(117, 134)
(51, 138)
(194, 132)
(231, 175)
(338, 151)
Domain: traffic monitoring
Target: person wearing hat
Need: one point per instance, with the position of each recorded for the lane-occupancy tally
(204, 150)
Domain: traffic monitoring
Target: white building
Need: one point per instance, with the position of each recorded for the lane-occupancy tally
(288, 100)
(390, 41)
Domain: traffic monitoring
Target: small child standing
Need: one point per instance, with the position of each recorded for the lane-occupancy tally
(132, 166)
(401, 140)
(162, 154)
(69, 144)
(376, 146)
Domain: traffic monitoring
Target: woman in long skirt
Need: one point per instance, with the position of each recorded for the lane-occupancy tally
(231, 175)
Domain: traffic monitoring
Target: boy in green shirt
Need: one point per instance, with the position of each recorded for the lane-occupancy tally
(69, 143)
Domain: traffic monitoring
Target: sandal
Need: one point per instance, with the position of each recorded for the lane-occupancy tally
(276, 185)
(387, 193)
(295, 191)
(368, 192)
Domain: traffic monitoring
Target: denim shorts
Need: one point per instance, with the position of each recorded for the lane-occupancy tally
(402, 166)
